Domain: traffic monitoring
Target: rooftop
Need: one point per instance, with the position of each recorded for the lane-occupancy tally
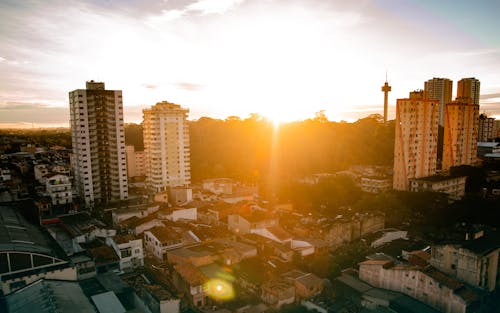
(47, 296)
(16, 234)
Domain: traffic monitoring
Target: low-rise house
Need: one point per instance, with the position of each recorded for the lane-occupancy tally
(278, 293)
(244, 224)
(189, 280)
(427, 285)
(105, 258)
(137, 226)
(58, 188)
(218, 185)
(474, 261)
(129, 249)
(180, 195)
(454, 187)
(176, 213)
(41, 171)
(196, 255)
(139, 211)
(275, 233)
(159, 240)
(307, 285)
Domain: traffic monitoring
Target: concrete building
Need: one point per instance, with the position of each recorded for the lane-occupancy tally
(136, 165)
(427, 285)
(460, 133)
(474, 262)
(166, 146)
(376, 184)
(159, 240)
(486, 128)
(58, 187)
(416, 142)
(439, 89)
(129, 249)
(41, 170)
(98, 139)
(454, 187)
(469, 88)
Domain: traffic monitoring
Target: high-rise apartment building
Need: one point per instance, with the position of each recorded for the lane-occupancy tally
(460, 133)
(469, 88)
(166, 146)
(98, 139)
(486, 129)
(439, 89)
(415, 147)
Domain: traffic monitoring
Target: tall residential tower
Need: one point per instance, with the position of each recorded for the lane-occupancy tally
(469, 88)
(415, 147)
(460, 133)
(439, 89)
(98, 139)
(166, 146)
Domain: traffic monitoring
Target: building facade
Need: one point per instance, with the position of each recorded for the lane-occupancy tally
(166, 146)
(469, 88)
(58, 188)
(460, 133)
(486, 128)
(416, 142)
(439, 89)
(136, 165)
(454, 187)
(98, 140)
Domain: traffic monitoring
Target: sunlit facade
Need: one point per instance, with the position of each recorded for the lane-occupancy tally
(460, 133)
(469, 88)
(439, 89)
(415, 147)
(98, 140)
(166, 146)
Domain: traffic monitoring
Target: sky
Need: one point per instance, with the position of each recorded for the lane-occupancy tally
(283, 59)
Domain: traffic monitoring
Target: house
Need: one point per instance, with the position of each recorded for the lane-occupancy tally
(278, 292)
(129, 249)
(197, 255)
(159, 240)
(137, 226)
(189, 280)
(248, 223)
(275, 233)
(307, 285)
(58, 188)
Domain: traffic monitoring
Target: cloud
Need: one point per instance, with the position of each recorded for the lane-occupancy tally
(188, 86)
(149, 86)
(213, 6)
(22, 106)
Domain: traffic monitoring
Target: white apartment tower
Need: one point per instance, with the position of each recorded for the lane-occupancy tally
(415, 147)
(439, 89)
(98, 139)
(166, 146)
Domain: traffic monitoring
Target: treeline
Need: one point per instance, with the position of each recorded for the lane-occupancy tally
(254, 150)
(11, 140)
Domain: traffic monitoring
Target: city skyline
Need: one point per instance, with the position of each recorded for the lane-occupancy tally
(220, 58)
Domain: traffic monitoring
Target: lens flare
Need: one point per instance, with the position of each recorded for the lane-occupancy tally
(219, 289)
